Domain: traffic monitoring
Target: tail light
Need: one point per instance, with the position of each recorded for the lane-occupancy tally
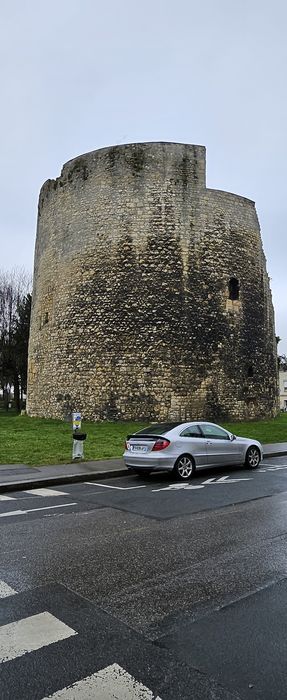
(160, 445)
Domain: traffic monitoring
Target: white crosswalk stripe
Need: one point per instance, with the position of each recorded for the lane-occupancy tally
(6, 498)
(39, 631)
(46, 492)
(6, 590)
(31, 633)
(111, 683)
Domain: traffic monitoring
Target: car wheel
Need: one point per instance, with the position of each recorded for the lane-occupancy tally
(184, 467)
(253, 457)
(142, 472)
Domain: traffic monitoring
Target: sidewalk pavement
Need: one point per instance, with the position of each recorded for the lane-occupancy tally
(17, 477)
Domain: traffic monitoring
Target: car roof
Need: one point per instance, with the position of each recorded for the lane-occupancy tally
(182, 426)
(168, 427)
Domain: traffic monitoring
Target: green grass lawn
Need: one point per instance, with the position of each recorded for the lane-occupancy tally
(40, 441)
(43, 441)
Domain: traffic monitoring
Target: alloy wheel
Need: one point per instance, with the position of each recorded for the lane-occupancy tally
(253, 457)
(184, 467)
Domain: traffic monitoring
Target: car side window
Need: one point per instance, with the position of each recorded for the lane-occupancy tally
(193, 432)
(214, 432)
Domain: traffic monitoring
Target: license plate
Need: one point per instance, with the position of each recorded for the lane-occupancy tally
(138, 448)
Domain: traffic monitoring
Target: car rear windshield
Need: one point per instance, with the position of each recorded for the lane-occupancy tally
(157, 429)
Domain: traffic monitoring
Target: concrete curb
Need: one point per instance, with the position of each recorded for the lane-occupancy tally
(57, 480)
(27, 484)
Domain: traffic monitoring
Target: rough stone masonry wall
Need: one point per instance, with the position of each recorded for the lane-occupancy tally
(131, 313)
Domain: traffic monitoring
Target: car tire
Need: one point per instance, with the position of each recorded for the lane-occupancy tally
(253, 457)
(142, 472)
(184, 467)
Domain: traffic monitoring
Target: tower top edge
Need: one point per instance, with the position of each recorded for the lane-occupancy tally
(232, 195)
(156, 148)
(134, 144)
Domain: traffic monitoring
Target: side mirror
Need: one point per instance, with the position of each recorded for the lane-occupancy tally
(232, 437)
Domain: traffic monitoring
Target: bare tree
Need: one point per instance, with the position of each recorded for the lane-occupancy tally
(282, 363)
(15, 286)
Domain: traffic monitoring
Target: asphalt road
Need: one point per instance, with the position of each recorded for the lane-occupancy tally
(146, 589)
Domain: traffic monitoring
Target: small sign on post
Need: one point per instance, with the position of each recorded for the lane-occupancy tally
(77, 421)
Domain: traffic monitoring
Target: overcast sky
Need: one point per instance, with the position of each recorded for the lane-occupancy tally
(77, 75)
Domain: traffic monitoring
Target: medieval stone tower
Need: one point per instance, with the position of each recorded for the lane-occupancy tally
(151, 298)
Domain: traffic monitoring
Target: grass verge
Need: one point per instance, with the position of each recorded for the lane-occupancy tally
(38, 441)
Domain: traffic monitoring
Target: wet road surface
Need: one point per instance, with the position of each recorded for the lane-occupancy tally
(178, 590)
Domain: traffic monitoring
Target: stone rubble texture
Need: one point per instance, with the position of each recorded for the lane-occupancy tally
(131, 314)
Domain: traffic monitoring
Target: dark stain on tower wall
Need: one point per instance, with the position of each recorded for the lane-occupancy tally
(151, 298)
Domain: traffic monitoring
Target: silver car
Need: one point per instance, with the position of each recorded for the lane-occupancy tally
(184, 447)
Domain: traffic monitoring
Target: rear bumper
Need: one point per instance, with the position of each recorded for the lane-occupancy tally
(149, 462)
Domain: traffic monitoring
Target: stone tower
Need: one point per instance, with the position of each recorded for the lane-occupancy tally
(151, 298)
